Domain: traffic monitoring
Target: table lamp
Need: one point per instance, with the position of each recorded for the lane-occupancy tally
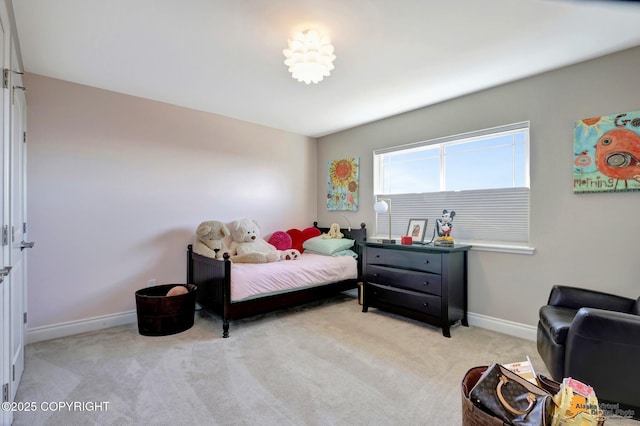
(382, 205)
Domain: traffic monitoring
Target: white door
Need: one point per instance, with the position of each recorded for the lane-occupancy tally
(5, 294)
(17, 232)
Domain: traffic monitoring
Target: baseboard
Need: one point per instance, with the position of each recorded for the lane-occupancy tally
(511, 328)
(54, 331)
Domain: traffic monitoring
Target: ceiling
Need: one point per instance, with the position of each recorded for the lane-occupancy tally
(225, 56)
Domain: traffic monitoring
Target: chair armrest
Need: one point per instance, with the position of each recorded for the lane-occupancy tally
(576, 298)
(602, 350)
(606, 327)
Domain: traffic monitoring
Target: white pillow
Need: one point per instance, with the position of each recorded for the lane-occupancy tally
(327, 246)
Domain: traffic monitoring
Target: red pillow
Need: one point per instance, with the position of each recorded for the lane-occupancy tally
(280, 240)
(298, 237)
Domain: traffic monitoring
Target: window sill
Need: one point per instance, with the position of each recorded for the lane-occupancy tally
(500, 248)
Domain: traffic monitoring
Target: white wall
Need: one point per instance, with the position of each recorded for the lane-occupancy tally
(118, 184)
(588, 240)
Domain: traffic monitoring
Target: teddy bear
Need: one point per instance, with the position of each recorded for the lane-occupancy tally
(247, 246)
(289, 254)
(210, 239)
(334, 232)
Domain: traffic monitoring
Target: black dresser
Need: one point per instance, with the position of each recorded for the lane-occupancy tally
(426, 283)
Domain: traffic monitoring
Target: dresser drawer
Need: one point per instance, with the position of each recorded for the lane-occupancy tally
(408, 279)
(420, 302)
(428, 262)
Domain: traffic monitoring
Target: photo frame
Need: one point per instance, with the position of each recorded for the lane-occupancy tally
(416, 229)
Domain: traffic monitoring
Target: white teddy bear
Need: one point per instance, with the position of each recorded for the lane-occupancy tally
(289, 254)
(248, 247)
(210, 239)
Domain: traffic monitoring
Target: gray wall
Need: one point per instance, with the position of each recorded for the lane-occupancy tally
(588, 240)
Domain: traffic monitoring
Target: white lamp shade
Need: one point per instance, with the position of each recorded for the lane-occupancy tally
(381, 207)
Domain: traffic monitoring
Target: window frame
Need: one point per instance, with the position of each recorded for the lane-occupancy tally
(519, 244)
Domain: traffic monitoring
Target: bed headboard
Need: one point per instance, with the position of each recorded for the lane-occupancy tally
(357, 234)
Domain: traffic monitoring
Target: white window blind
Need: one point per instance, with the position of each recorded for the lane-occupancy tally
(490, 215)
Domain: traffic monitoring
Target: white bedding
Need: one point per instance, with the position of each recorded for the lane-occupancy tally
(250, 279)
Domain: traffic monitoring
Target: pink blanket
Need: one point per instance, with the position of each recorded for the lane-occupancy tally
(251, 280)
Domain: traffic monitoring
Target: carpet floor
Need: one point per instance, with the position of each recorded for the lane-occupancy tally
(325, 363)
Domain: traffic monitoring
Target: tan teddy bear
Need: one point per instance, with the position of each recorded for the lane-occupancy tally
(248, 247)
(210, 239)
(334, 232)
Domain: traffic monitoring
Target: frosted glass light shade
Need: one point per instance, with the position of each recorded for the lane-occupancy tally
(309, 56)
(381, 207)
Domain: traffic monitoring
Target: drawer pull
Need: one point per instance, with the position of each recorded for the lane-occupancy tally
(375, 275)
(425, 304)
(426, 283)
(426, 261)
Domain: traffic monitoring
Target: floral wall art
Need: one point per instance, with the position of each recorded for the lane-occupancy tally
(607, 153)
(343, 184)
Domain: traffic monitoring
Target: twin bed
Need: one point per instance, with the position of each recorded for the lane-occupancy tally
(235, 291)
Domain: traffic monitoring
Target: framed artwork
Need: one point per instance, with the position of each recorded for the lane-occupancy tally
(416, 229)
(606, 153)
(343, 184)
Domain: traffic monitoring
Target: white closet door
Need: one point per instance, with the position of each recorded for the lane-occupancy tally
(17, 231)
(5, 295)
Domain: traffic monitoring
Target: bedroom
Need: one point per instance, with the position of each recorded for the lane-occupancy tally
(152, 172)
(119, 183)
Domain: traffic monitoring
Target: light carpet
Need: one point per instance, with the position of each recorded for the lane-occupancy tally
(325, 363)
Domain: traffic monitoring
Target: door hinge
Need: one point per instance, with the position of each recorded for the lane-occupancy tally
(5, 392)
(25, 317)
(24, 137)
(5, 78)
(24, 227)
(5, 235)
(13, 374)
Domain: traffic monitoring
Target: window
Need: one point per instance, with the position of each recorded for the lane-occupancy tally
(483, 176)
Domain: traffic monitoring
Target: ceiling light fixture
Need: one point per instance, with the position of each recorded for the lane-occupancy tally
(309, 56)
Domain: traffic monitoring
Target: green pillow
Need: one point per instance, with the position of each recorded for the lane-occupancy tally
(327, 246)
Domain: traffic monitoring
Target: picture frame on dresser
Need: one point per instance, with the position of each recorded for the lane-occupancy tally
(416, 229)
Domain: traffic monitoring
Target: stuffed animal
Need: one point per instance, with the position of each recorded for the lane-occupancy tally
(210, 239)
(248, 247)
(334, 232)
(290, 254)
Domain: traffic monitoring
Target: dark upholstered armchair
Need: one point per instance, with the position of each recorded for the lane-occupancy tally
(593, 337)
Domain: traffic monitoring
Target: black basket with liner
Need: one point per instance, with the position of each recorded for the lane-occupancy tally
(162, 315)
